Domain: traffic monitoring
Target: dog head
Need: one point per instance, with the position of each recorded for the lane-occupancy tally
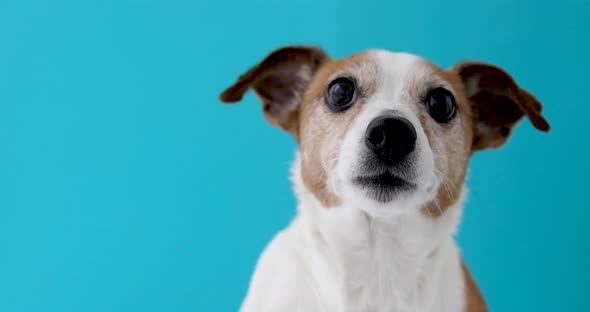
(386, 132)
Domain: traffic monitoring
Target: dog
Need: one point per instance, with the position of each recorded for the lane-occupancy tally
(384, 140)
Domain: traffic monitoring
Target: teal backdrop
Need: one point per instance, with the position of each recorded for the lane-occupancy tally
(126, 186)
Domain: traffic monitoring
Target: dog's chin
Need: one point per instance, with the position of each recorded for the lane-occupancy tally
(384, 187)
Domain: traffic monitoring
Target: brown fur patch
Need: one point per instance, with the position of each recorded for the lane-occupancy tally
(322, 130)
(451, 146)
(490, 104)
(474, 301)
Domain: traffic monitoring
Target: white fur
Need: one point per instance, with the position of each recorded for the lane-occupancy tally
(364, 255)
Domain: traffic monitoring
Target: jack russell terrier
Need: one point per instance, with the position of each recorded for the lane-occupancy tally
(384, 143)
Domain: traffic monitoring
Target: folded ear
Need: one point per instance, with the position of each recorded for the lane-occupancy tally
(279, 80)
(497, 102)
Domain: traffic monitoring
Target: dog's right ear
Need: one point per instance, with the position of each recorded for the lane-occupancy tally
(279, 80)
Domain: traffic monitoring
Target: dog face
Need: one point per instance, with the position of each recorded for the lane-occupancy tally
(387, 132)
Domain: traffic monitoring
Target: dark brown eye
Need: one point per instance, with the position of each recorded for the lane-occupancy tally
(341, 94)
(441, 105)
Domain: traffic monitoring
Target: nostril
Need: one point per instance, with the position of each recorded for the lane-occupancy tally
(376, 136)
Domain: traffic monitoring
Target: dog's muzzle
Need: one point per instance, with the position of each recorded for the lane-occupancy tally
(387, 168)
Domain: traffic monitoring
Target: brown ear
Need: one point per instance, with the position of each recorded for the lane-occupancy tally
(497, 102)
(279, 80)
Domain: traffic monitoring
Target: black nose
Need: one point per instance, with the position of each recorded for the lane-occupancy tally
(390, 138)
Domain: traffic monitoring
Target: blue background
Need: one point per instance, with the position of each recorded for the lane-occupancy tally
(126, 186)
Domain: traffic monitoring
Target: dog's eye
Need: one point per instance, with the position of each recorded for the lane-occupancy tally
(441, 105)
(341, 94)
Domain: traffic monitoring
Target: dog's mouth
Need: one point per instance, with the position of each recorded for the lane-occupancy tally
(385, 186)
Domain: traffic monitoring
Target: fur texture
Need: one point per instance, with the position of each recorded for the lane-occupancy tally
(348, 249)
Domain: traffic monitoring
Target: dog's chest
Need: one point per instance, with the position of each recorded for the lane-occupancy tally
(381, 275)
(385, 282)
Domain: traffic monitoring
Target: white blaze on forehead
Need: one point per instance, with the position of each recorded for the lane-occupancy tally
(391, 80)
(397, 63)
(401, 73)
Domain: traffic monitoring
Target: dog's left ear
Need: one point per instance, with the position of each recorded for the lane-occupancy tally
(497, 102)
(279, 80)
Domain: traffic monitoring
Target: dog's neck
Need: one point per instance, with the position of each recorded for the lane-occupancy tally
(372, 258)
